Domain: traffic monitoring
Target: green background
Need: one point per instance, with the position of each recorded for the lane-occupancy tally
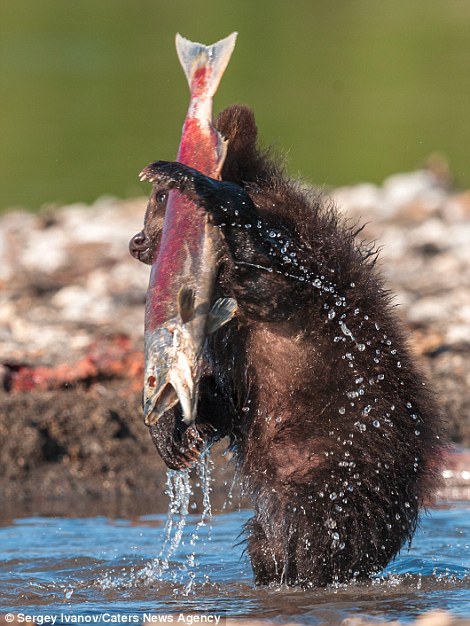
(349, 90)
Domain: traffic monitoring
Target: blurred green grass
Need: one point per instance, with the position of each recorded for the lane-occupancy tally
(350, 90)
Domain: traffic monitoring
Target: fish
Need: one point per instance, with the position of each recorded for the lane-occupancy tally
(179, 309)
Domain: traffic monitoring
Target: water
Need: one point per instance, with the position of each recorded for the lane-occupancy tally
(97, 567)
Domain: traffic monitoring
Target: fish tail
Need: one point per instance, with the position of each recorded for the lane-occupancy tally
(195, 56)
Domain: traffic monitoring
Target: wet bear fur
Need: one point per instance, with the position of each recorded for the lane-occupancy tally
(335, 432)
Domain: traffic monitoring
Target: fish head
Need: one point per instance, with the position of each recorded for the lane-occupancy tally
(172, 373)
(173, 362)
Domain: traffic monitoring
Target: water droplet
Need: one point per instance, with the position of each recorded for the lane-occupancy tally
(333, 495)
(366, 410)
(360, 427)
(331, 314)
(346, 330)
(361, 347)
(380, 376)
(342, 410)
(376, 423)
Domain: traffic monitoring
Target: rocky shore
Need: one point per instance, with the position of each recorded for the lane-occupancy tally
(71, 337)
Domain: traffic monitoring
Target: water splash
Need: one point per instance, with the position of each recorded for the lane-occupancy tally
(179, 490)
(169, 565)
(204, 469)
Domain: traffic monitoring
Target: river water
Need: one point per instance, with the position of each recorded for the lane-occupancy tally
(110, 569)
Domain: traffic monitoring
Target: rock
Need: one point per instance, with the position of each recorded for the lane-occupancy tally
(71, 331)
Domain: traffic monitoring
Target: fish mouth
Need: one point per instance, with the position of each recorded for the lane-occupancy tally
(173, 359)
(158, 403)
(171, 375)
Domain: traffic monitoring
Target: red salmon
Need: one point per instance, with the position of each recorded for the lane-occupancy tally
(179, 313)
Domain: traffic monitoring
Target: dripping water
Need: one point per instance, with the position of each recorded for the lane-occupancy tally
(167, 565)
(204, 469)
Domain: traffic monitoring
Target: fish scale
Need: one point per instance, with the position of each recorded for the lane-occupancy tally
(189, 252)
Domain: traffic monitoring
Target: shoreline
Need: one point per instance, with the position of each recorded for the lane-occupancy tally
(71, 337)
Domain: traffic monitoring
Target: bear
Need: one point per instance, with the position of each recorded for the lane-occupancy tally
(336, 434)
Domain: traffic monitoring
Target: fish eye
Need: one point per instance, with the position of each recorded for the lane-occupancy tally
(161, 197)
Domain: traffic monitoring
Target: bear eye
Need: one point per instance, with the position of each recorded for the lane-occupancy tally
(161, 197)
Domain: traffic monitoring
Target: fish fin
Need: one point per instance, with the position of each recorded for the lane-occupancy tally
(193, 56)
(221, 313)
(186, 297)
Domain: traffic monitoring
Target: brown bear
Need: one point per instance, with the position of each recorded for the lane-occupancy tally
(335, 432)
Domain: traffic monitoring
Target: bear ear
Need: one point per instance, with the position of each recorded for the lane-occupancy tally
(245, 162)
(237, 124)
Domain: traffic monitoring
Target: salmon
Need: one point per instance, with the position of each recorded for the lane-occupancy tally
(179, 310)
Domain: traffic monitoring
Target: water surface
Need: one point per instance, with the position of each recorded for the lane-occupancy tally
(94, 565)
